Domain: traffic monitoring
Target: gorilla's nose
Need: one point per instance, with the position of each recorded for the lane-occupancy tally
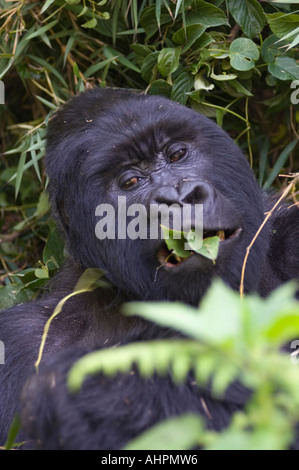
(218, 211)
(186, 192)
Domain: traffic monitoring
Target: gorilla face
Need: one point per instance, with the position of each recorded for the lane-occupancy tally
(111, 146)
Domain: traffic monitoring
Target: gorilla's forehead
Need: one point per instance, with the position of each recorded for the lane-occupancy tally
(138, 131)
(148, 120)
(118, 128)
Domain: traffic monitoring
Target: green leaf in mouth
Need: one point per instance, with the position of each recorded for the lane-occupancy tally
(175, 241)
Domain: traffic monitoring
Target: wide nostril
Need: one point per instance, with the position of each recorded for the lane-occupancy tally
(165, 195)
(195, 192)
(186, 192)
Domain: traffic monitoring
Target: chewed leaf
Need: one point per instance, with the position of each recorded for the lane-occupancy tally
(175, 241)
(208, 247)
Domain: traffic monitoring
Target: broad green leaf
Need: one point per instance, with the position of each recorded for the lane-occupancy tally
(249, 15)
(204, 40)
(261, 316)
(90, 24)
(283, 24)
(160, 87)
(206, 14)
(240, 88)
(88, 280)
(43, 205)
(290, 34)
(243, 53)
(42, 273)
(201, 83)
(149, 66)
(11, 295)
(223, 77)
(181, 86)
(141, 52)
(175, 242)
(284, 68)
(284, 328)
(209, 246)
(180, 433)
(221, 307)
(168, 60)
(271, 48)
(83, 11)
(261, 439)
(188, 35)
(54, 250)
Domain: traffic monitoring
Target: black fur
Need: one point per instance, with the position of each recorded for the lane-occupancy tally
(95, 143)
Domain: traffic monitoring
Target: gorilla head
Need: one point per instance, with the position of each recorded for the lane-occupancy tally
(107, 146)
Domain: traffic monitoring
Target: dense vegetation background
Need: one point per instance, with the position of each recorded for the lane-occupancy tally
(235, 61)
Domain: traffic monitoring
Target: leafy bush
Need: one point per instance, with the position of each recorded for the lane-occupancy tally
(244, 347)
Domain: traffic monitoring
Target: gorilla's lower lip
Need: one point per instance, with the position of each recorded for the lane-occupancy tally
(171, 260)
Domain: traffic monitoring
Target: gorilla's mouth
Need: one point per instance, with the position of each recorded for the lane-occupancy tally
(170, 259)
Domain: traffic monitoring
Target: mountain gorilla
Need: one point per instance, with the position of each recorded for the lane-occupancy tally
(103, 145)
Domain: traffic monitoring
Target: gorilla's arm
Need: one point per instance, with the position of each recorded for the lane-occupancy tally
(109, 412)
(21, 330)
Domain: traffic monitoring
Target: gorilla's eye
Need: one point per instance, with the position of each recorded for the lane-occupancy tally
(130, 182)
(177, 155)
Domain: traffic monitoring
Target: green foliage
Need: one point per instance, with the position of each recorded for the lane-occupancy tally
(179, 433)
(234, 62)
(243, 344)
